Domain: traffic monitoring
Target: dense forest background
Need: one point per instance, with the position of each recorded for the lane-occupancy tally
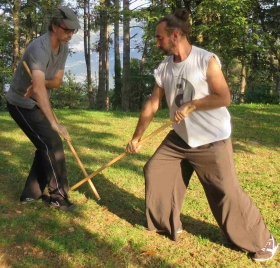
(243, 33)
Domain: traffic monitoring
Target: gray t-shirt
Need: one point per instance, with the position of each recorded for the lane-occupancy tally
(38, 55)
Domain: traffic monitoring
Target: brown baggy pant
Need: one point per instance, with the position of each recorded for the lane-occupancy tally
(167, 175)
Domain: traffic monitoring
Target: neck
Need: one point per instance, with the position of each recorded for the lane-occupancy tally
(183, 51)
(54, 42)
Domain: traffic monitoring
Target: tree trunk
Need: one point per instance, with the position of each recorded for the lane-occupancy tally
(141, 73)
(29, 28)
(107, 58)
(277, 81)
(101, 94)
(16, 46)
(243, 81)
(118, 76)
(2, 99)
(126, 56)
(87, 44)
(142, 65)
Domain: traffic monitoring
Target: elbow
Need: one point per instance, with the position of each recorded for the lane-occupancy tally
(36, 91)
(150, 107)
(58, 84)
(54, 83)
(227, 101)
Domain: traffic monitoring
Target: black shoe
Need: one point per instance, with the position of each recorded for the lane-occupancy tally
(45, 198)
(267, 252)
(62, 204)
(25, 200)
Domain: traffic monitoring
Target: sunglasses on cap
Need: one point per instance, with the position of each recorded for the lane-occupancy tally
(68, 31)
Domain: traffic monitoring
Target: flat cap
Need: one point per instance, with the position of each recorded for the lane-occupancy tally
(68, 17)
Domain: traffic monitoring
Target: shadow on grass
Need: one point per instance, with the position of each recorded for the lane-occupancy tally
(64, 114)
(46, 230)
(249, 124)
(35, 236)
(42, 238)
(261, 125)
(132, 209)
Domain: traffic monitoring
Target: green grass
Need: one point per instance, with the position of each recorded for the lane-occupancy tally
(110, 232)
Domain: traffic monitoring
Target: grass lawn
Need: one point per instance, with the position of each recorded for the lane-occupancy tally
(111, 232)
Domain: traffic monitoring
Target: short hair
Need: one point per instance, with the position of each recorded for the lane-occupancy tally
(54, 21)
(179, 20)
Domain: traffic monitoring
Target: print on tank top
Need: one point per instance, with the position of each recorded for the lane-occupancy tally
(185, 91)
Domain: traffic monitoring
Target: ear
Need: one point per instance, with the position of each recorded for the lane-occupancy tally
(54, 28)
(175, 35)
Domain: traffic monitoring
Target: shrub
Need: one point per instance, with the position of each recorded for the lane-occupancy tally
(71, 94)
(261, 94)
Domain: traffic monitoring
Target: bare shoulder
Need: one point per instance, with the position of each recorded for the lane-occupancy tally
(214, 68)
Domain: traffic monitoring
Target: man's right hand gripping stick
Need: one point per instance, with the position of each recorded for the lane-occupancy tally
(190, 109)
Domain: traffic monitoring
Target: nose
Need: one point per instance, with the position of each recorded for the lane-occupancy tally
(157, 43)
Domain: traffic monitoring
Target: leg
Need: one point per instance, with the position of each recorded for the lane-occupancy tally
(36, 181)
(59, 159)
(235, 212)
(165, 187)
(49, 159)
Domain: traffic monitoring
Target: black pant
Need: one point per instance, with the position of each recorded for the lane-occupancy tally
(48, 166)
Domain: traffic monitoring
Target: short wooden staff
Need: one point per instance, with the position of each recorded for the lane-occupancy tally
(83, 170)
(126, 153)
(71, 147)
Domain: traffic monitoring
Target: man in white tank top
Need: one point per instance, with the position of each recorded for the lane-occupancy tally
(200, 142)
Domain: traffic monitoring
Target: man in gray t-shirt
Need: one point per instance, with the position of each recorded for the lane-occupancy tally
(29, 105)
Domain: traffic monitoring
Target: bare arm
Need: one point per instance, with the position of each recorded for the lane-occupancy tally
(56, 81)
(150, 108)
(53, 83)
(220, 94)
(42, 98)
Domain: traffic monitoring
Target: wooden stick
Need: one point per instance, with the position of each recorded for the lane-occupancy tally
(125, 153)
(83, 170)
(27, 69)
(71, 148)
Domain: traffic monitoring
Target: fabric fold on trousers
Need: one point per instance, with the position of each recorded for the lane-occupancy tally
(49, 167)
(167, 175)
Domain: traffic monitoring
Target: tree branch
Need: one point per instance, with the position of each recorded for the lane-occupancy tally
(133, 36)
(138, 6)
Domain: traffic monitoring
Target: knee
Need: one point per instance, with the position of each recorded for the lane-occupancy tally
(57, 144)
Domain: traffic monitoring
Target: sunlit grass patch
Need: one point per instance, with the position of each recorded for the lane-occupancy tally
(111, 232)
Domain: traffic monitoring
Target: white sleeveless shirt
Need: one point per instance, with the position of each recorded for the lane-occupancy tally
(186, 81)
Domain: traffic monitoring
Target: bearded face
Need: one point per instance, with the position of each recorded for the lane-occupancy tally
(165, 41)
(169, 49)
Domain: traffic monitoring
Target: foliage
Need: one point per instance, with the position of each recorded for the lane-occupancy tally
(71, 94)
(243, 33)
(6, 57)
(141, 86)
(148, 17)
(261, 94)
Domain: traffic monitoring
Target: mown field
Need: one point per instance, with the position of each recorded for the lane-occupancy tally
(111, 232)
